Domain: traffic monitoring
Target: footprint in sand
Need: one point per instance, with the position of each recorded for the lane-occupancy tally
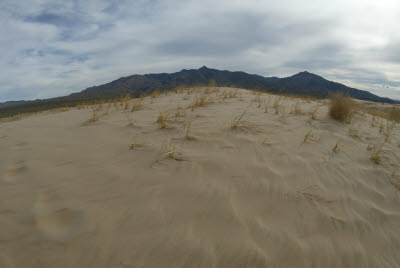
(55, 219)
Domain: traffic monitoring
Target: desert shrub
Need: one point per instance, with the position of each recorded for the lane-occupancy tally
(341, 108)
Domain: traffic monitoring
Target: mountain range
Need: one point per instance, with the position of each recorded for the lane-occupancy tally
(303, 84)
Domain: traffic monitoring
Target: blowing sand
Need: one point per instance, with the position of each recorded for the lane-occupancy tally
(261, 194)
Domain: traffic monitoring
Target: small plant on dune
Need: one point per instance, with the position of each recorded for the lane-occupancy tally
(354, 131)
(131, 122)
(389, 129)
(341, 108)
(395, 181)
(308, 136)
(162, 120)
(370, 147)
(266, 108)
(377, 156)
(136, 104)
(135, 145)
(155, 94)
(126, 107)
(283, 113)
(297, 109)
(381, 127)
(336, 147)
(94, 117)
(187, 126)
(260, 102)
(313, 114)
(179, 112)
(257, 97)
(373, 121)
(239, 122)
(171, 153)
(277, 104)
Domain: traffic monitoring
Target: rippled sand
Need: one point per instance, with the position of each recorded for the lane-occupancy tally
(73, 194)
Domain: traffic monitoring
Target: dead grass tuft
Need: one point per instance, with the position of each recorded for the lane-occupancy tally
(336, 148)
(341, 108)
(277, 104)
(313, 114)
(239, 122)
(162, 120)
(395, 181)
(308, 136)
(354, 131)
(95, 117)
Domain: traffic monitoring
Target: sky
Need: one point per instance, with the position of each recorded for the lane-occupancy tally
(54, 48)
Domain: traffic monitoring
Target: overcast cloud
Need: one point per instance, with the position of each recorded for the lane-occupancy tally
(53, 48)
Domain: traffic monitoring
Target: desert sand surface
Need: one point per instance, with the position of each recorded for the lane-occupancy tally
(272, 191)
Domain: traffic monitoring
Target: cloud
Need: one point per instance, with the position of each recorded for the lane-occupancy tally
(59, 47)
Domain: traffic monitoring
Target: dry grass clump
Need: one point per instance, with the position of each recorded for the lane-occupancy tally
(131, 122)
(135, 145)
(229, 94)
(313, 114)
(187, 126)
(136, 104)
(337, 145)
(395, 181)
(162, 120)
(377, 156)
(341, 108)
(179, 112)
(354, 131)
(238, 122)
(310, 137)
(283, 113)
(373, 121)
(391, 113)
(296, 109)
(94, 117)
(266, 108)
(171, 153)
(155, 94)
(277, 104)
(389, 129)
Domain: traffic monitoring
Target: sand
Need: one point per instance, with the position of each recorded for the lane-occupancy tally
(73, 194)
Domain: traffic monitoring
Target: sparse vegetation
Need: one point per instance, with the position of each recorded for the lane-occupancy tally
(187, 126)
(377, 156)
(136, 104)
(395, 181)
(277, 104)
(354, 132)
(162, 120)
(341, 108)
(336, 148)
(297, 109)
(94, 117)
(308, 136)
(239, 122)
(171, 153)
(313, 114)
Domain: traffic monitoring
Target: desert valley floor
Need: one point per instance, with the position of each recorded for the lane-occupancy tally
(213, 177)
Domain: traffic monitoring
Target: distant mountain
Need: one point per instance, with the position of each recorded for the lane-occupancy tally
(303, 84)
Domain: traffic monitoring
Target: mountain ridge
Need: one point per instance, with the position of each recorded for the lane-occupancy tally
(302, 84)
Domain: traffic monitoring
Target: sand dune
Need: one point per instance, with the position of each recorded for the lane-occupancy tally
(73, 194)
